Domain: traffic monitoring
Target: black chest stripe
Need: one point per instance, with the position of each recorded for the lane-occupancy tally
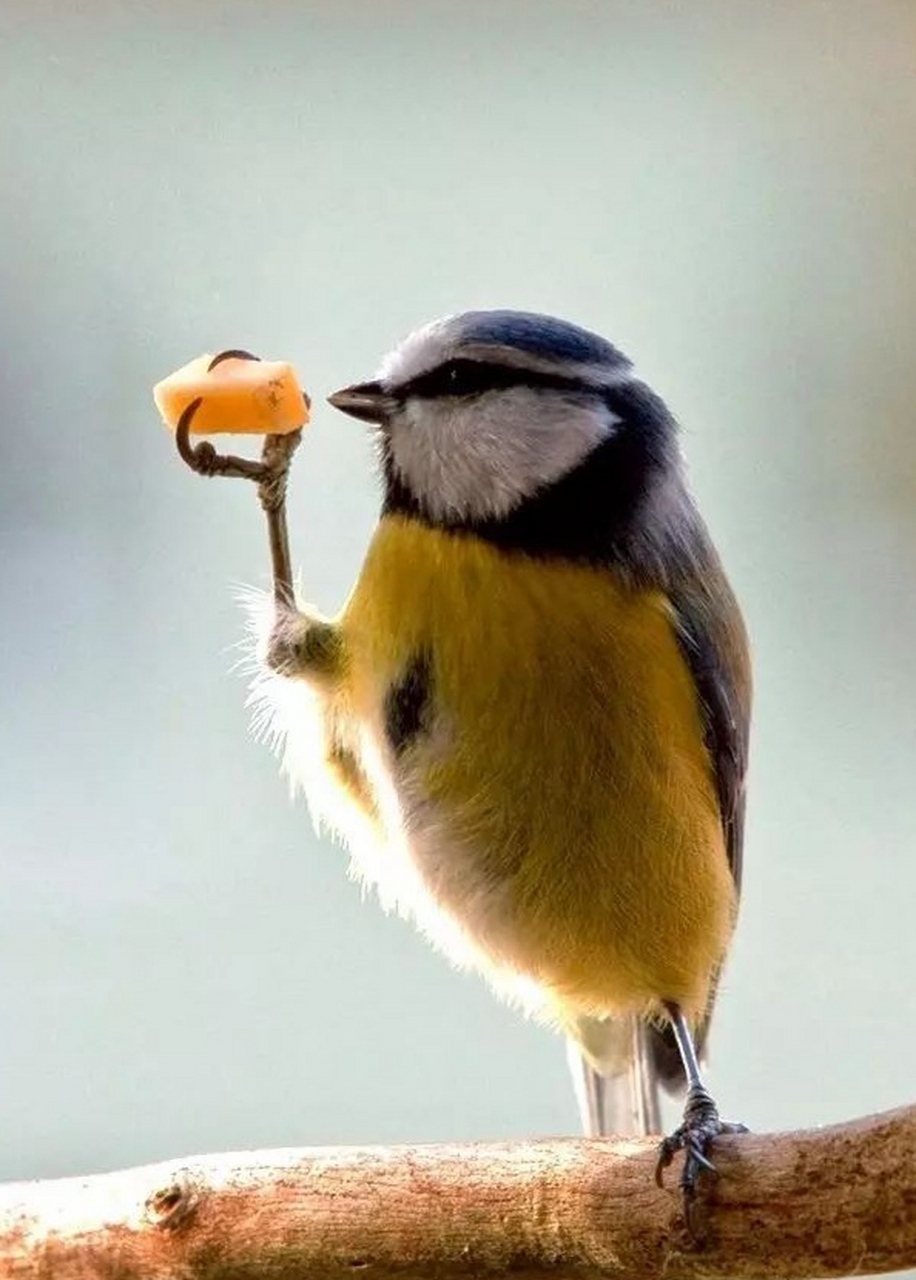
(409, 704)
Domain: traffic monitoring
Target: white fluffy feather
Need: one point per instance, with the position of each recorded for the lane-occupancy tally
(391, 854)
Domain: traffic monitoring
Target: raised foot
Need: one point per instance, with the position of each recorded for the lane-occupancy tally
(300, 645)
(701, 1126)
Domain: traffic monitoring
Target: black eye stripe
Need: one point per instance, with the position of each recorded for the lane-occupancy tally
(474, 377)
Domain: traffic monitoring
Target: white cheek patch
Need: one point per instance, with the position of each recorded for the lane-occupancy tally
(480, 458)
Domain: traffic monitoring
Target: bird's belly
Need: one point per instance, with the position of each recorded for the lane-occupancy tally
(598, 918)
(603, 904)
(551, 815)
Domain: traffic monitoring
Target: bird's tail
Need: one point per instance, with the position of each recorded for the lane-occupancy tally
(616, 1077)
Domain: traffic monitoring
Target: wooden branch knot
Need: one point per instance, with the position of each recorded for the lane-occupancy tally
(172, 1208)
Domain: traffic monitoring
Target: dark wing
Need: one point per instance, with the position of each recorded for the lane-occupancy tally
(713, 639)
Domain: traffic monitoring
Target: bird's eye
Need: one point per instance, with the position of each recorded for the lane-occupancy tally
(465, 378)
(456, 378)
(461, 378)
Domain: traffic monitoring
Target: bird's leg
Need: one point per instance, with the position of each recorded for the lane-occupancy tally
(270, 475)
(299, 644)
(701, 1124)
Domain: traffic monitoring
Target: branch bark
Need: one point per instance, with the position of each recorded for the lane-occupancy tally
(829, 1202)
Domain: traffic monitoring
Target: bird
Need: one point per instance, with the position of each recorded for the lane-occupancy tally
(529, 721)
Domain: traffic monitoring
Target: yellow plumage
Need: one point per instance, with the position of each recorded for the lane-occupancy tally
(559, 811)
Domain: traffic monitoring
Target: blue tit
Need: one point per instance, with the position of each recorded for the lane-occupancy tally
(529, 722)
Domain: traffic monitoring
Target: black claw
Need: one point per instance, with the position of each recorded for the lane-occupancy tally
(698, 1158)
(701, 1126)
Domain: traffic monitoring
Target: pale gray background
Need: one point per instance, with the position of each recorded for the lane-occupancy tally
(727, 191)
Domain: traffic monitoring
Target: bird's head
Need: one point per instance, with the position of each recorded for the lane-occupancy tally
(481, 413)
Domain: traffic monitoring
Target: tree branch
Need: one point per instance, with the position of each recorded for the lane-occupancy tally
(829, 1202)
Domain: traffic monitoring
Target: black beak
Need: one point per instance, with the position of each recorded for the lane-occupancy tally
(367, 401)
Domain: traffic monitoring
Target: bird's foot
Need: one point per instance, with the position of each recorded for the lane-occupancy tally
(701, 1126)
(302, 645)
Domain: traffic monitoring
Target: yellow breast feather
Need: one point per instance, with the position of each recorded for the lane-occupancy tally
(566, 731)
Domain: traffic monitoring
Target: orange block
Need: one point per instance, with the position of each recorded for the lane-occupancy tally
(238, 395)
